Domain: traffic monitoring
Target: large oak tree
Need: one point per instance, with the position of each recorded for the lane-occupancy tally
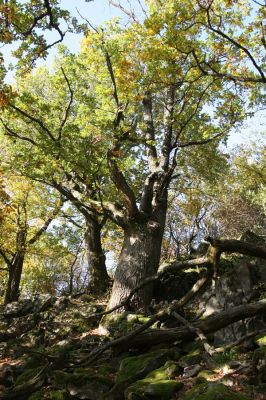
(138, 100)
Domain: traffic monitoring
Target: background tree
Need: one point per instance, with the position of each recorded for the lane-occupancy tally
(239, 203)
(59, 151)
(26, 220)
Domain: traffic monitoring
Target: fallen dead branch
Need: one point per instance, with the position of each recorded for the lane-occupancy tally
(210, 325)
(229, 346)
(139, 338)
(160, 315)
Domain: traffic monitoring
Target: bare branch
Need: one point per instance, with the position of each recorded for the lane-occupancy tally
(168, 127)
(229, 346)
(67, 110)
(234, 42)
(209, 349)
(34, 119)
(5, 257)
(119, 113)
(11, 133)
(164, 269)
(45, 226)
(161, 314)
(120, 182)
(101, 208)
(237, 246)
(150, 132)
(200, 142)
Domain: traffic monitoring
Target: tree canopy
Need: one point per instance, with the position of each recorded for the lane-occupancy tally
(119, 192)
(132, 130)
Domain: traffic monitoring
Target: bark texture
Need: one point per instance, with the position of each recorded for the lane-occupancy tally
(99, 281)
(14, 276)
(139, 259)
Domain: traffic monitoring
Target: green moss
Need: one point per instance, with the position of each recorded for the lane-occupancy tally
(57, 395)
(133, 368)
(157, 384)
(143, 320)
(259, 354)
(205, 374)
(200, 379)
(36, 396)
(213, 391)
(145, 389)
(165, 372)
(27, 375)
(192, 353)
(123, 323)
(261, 339)
(105, 369)
(80, 377)
(223, 358)
(193, 357)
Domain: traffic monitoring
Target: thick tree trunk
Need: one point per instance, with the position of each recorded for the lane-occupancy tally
(139, 259)
(14, 276)
(99, 281)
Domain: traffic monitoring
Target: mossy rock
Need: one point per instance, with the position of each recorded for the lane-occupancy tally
(36, 396)
(193, 357)
(213, 391)
(206, 374)
(57, 395)
(167, 371)
(80, 377)
(105, 369)
(145, 389)
(84, 384)
(27, 375)
(260, 340)
(137, 367)
(157, 384)
(121, 324)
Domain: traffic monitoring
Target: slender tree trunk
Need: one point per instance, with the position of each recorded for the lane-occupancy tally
(14, 277)
(71, 280)
(15, 267)
(99, 281)
(139, 259)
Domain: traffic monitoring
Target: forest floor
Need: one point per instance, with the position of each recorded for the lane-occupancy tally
(45, 347)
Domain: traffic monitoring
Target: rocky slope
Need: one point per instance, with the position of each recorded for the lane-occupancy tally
(44, 347)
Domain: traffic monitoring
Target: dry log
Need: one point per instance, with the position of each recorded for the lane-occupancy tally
(211, 324)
